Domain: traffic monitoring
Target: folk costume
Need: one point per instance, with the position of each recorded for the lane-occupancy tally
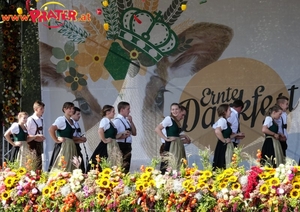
(271, 149)
(67, 149)
(223, 151)
(175, 148)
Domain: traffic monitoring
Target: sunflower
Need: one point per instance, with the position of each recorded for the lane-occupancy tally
(104, 176)
(296, 178)
(222, 185)
(295, 193)
(21, 171)
(149, 169)
(140, 187)
(201, 184)
(152, 183)
(264, 175)
(211, 188)
(202, 178)
(264, 189)
(235, 186)
(5, 195)
(146, 176)
(225, 180)
(296, 185)
(104, 183)
(207, 173)
(101, 196)
(228, 172)
(274, 181)
(232, 179)
(191, 189)
(9, 181)
(61, 182)
(106, 171)
(47, 191)
(186, 183)
(220, 177)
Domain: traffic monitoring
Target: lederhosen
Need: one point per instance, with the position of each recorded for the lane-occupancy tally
(283, 143)
(37, 146)
(78, 148)
(126, 150)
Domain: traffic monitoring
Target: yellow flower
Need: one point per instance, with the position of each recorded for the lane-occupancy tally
(46, 191)
(21, 171)
(191, 188)
(295, 193)
(104, 176)
(220, 177)
(207, 173)
(222, 185)
(211, 188)
(228, 172)
(146, 176)
(296, 178)
(201, 184)
(232, 179)
(61, 182)
(106, 171)
(152, 183)
(104, 183)
(139, 187)
(296, 185)
(264, 189)
(274, 181)
(5, 195)
(149, 169)
(101, 196)
(98, 181)
(202, 178)
(225, 180)
(236, 186)
(9, 181)
(264, 175)
(186, 183)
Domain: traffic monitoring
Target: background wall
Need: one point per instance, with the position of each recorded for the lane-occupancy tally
(248, 46)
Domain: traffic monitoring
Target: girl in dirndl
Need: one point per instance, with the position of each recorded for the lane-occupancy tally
(61, 132)
(108, 147)
(20, 149)
(224, 148)
(174, 151)
(271, 150)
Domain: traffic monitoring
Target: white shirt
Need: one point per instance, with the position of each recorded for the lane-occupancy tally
(104, 124)
(167, 122)
(268, 121)
(119, 122)
(233, 119)
(60, 123)
(31, 126)
(14, 128)
(282, 120)
(222, 122)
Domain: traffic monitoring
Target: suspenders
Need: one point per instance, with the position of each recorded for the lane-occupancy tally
(126, 128)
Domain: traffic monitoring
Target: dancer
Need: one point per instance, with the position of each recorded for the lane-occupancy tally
(108, 147)
(233, 119)
(173, 142)
(271, 150)
(35, 132)
(61, 132)
(78, 136)
(20, 149)
(125, 126)
(223, 131)
(283, 102)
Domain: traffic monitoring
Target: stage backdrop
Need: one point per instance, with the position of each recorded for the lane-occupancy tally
(152, 53)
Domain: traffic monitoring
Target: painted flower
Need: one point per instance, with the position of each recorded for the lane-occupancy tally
(91, 57)
(75, 80)
(66, 56)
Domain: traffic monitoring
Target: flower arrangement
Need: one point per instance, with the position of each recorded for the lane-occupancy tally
(188, 189)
